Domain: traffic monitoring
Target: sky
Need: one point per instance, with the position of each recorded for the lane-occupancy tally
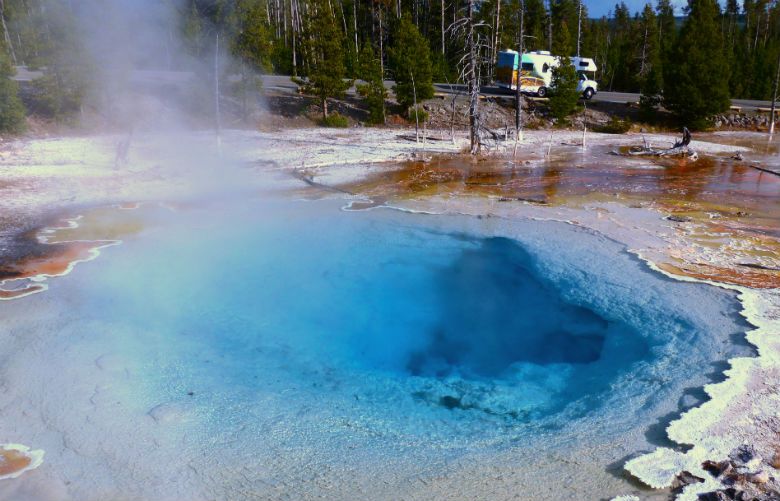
(598, 8)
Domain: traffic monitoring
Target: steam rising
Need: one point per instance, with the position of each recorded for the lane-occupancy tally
(140, 72)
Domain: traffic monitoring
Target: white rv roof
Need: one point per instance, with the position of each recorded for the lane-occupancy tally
(580, 63)
(584, 63)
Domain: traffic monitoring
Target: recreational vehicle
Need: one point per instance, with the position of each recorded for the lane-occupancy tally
(535, 72)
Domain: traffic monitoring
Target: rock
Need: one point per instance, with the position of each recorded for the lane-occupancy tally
(743, 455)
(776, 460)
(714, 496)
(685, 478)
(716, 468)
(679, 219)
(738, 156)
(450, 402)
(761, 477)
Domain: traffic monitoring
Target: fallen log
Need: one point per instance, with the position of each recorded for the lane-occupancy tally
(679, 149)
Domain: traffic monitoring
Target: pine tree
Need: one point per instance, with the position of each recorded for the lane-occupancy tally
(649, 72)
(564, 94)
(410, 61)
(254, 41)
(253, 47)
(373, 91)
(535, 16)
(192, 30)
(562, 45)
(70, 66)
(11, 108)
(621, 51)
(564, 17)
(327, 72)
(697, 85)
(667, 26)
(650, 97)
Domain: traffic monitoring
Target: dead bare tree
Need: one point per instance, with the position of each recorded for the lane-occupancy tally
(549, 25)
(518, 82)
(442, 28)
(774, 100)
(416, 111)
(680, 148)
(470, 65)
(217, 111)
(496, 39)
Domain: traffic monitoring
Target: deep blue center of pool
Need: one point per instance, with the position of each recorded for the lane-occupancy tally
(493, 311)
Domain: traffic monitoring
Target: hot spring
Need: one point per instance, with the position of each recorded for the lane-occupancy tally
(282, 349)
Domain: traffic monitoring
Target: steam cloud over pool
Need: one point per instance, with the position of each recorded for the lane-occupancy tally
(290, 347)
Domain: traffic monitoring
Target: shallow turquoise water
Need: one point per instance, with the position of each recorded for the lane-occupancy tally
(297, 334)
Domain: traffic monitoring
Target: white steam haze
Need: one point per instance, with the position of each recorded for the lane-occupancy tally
(140, 73)
(154, 98)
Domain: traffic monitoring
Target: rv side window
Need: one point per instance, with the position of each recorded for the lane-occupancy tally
(528, 66)
(584, 63)
(545, 68)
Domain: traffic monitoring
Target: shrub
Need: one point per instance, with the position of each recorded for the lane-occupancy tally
(564, 95)
(335, 120)
(373, 91)
(416, 114)
(615, 126)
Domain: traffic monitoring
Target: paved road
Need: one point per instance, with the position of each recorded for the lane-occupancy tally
(282, 83)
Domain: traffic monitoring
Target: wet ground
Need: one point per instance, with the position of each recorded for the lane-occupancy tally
(722, 204)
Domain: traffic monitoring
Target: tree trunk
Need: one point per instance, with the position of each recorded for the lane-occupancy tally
(473, 81)
(381, 46)
(5, 32)
(442, 27)
(294, 23)
(324, 108)
(644, 55)
(774, 100)
(354, 24)
(518, 89)
(579, 26)
(549, 26)
(416, 115)
(343, 18)
(216, 93)
(496, 35)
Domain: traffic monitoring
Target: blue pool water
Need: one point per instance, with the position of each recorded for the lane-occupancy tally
(305, 292)
(294, 333)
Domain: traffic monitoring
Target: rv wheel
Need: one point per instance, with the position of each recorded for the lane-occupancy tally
(588, 93)
(542, 92)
